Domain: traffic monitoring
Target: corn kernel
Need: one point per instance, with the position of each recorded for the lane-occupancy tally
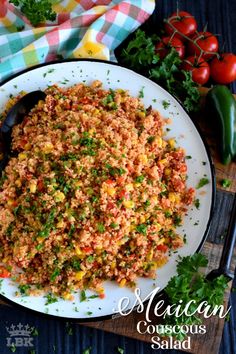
(91, 131)
(163, 161)
(154, 199)
(78, 184)
(132, 227)
(174, 197)
(47, 148)
(154, 265)
(22, 156)
(171, 143)
(141, 114)
(129, 204)
(40, 104)
(150, 255)
(167, 171)
(142, 219)
(18, 183)
(113, 264)
(171, 197)
(27, 146)
(122, 283)
(33, 187)
(10, 202)
(111, 191)
(158, 141)
(100, 290)
(68, 296)
(79, 275)
(78, 251)
(59, 196)
(99, 260)
(158, 227)
(143, 158)
(161, 241)
(60, 224)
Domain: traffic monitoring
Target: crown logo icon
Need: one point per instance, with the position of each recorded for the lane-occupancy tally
(19, 330)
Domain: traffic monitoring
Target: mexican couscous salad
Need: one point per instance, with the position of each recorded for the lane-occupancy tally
(94, 192)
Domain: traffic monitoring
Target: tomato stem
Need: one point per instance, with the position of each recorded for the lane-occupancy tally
(189, 39)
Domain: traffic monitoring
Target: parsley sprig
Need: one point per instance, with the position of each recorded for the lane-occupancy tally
(140, 55)
(36, 11)
(190, 283)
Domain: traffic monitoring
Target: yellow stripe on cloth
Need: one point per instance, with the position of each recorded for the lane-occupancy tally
(30, 55)
(89, 48)
(68, 7)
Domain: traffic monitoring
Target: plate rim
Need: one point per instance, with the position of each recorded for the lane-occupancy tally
(213, 180)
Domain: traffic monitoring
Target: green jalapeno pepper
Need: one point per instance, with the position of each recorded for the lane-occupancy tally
(221, 106)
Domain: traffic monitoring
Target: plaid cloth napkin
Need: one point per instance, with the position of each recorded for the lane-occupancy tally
(83, 28)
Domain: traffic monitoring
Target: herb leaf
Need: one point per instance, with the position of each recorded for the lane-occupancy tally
(36, 11)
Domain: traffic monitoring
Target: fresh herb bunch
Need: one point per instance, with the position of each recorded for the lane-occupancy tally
(36, 11)
(140, 55)
(190, 283)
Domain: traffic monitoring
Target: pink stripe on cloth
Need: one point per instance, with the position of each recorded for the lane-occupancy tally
(88, 4)
(53, 37)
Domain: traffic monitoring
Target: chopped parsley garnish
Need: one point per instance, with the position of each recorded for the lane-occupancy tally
(197, 203)
(177, 220)
(203, 181)
(115, 171)
(139, 179)
(142, 229)
(83, 296)
(225, 182)
(141, 93)
(101, 228)
(150, 139)
(147, 203)
(113, 225)
(39, 246)
(24, 289)
(54, 274)
(69, 156)
(75, 264)
(90, 259)
(188, 157)
(50, 299)
(168, 214)
(165, 104)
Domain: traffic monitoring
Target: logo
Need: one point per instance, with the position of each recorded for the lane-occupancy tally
(20, 336)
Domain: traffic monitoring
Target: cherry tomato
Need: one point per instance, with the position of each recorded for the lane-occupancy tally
(199, 68)
(223, 69)
(206, 41)
(109, 181)
(184, 22)
(87, 249)
(4, 273)
(162, 248)
(165, 45)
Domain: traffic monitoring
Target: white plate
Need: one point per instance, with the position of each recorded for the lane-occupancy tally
(196, 223)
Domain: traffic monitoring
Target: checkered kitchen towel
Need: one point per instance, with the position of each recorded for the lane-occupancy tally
(83, 28)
